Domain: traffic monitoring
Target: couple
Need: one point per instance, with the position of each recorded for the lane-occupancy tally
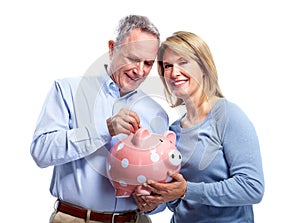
(221, 175)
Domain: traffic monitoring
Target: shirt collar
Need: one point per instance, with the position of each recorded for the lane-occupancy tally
(114, 89)
(111, 86)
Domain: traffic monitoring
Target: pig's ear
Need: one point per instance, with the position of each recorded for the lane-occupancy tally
(171, 136)
(139, 137)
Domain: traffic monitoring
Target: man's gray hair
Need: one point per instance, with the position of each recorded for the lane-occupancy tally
(130, 22)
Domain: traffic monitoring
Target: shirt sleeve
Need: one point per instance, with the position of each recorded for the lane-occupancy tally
(159, 208)
(245, 184)
(57, 139)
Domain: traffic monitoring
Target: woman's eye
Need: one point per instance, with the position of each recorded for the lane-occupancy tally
(183, 62)
(166, 66)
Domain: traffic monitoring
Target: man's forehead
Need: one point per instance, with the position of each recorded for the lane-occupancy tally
(140, 44)
(146, 49)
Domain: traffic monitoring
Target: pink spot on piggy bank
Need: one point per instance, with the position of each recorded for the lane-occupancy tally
(142, 156)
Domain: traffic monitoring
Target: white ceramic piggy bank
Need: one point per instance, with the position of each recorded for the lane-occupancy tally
(139, 157)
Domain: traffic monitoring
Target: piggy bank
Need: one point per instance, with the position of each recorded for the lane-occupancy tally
(139, 157)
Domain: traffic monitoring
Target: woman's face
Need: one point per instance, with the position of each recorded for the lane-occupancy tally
(183, 76)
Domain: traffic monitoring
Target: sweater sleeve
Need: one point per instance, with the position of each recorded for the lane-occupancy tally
(245, 184)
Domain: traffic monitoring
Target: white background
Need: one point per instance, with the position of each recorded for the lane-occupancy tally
(256, 49)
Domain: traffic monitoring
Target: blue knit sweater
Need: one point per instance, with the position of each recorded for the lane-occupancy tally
(223, 168)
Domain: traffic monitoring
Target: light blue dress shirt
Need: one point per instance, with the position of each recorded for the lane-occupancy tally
(72, 135)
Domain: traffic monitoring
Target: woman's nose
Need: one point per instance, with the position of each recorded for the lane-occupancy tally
(175, 71)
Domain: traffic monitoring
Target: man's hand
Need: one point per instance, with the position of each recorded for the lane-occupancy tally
(142, 204)
(124, 122)
(162, 192)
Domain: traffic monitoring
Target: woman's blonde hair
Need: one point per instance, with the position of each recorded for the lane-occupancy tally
(190, 46)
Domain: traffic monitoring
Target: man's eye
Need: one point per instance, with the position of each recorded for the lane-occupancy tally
(149, 63)
(133, 59)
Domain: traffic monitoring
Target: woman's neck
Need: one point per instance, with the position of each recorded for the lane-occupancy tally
(197, 110)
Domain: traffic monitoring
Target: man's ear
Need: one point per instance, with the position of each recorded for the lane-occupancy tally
(111, 45)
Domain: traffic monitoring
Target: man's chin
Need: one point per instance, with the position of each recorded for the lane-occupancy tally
(128, 89)
(133, 86)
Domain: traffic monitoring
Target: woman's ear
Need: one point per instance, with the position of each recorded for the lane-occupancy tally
(111, 45)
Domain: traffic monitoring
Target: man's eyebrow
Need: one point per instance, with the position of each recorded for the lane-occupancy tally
(136, 58)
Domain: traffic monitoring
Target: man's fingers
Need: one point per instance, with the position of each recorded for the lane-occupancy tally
(134, 120)
(130, 117)
(175, 176)
(134, 124)
(155, 187)
(124, 122)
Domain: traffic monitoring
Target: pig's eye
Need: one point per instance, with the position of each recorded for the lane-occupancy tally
(161, 140)
(175, 157)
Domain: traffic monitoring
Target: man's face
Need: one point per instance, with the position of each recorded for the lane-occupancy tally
(132, 62)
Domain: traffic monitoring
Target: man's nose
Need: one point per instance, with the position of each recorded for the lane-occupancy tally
(139, 68)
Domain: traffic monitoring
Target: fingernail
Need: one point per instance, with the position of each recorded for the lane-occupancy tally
(170, 172)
